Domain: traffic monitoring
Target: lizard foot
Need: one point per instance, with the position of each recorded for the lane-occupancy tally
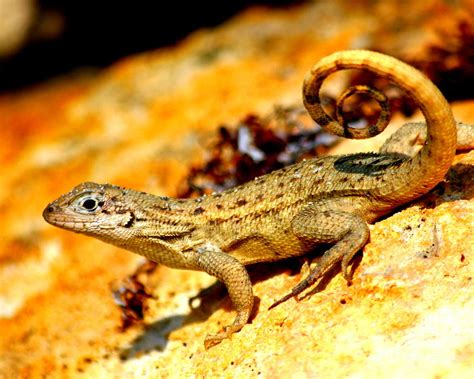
(215, 339)
(315, 275)
(239, 322)
(300, 287)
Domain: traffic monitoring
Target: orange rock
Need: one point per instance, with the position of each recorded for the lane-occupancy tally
(140, 124)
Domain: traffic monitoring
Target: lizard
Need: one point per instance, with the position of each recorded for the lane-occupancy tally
(288, 212)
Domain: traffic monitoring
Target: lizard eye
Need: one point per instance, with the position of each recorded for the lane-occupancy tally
(89, 204)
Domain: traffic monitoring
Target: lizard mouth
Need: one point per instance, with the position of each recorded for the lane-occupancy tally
(55, 216)
(50, 214)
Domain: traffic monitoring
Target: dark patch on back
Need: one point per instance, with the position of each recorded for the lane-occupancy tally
(369, 164)
(241, 202)
(198, 211)
(317, 182)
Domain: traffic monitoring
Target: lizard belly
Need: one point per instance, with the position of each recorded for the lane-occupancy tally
(260, 248)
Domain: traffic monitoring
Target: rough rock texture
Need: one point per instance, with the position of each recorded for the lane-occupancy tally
(140, 124)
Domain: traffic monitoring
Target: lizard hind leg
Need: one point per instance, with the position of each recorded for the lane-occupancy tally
(349, 232)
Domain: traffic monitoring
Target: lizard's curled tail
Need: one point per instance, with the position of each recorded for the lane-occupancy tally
(419, 174)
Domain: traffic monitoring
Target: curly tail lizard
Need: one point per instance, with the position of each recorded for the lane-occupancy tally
(289, 211)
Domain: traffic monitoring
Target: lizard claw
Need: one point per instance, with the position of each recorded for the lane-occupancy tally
(312, 278)
(215, 339)
(282, 300)
(347, 274)
(307, 282)
(300, 287)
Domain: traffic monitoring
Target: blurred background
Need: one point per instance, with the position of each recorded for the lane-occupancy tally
(40, 39)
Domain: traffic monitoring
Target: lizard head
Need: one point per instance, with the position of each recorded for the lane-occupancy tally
(99, 210)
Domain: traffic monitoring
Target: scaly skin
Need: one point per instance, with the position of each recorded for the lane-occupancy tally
(287, 212)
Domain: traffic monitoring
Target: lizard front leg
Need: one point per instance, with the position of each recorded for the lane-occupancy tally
(349, 232)
(233, 274)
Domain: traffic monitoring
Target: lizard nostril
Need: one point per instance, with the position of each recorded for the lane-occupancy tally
(50, 209)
